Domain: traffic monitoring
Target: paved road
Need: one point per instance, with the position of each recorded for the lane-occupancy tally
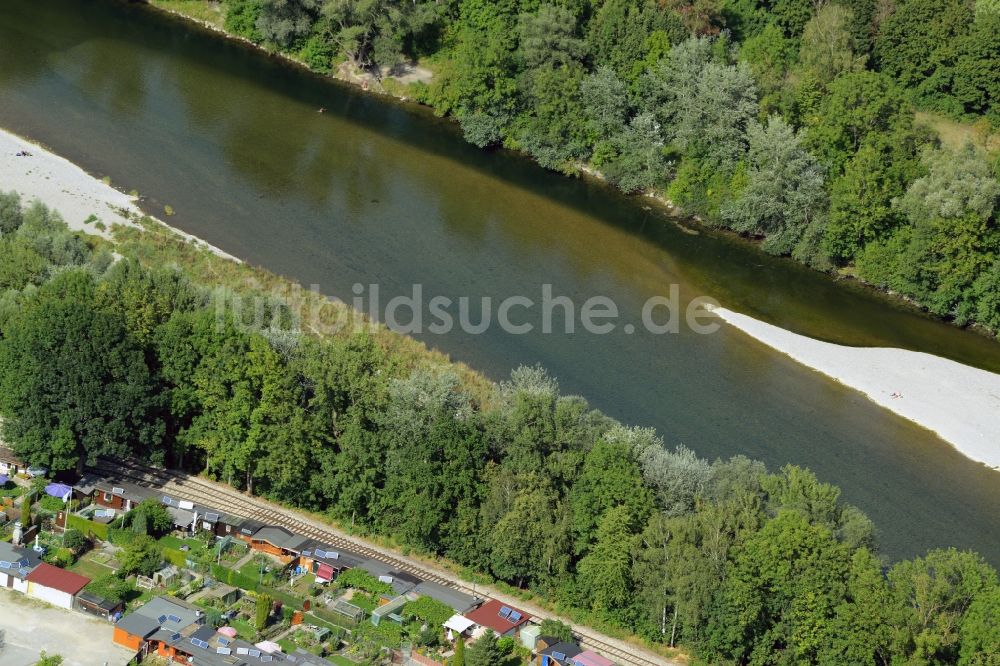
(31, 626)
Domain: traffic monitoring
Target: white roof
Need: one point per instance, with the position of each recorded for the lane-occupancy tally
(459, 623)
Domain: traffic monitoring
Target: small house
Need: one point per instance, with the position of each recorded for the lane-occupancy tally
(225, 594)
(166, 575)
(279, 542)
(15, 565)
(228, 525)
(590, 658)
(401, 582)
(118, 495)
(324, 561)
(99, 606)
(460, 602)
(553, 652)
(10, 464)
(152, 626)
(193, 517)
(247, 527)
(529, 636)
(183, 519)
(55, 586)
(504, 620)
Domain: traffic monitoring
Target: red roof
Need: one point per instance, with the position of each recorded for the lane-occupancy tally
(47, 575)
(496, 616)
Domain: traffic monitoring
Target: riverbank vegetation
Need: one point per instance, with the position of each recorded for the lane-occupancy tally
(152, 355)
(794, 122)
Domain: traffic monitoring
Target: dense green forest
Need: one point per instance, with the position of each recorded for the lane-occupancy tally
(147, 355)
(790, 121)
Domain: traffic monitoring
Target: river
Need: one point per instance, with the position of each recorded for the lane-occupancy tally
(373, 191)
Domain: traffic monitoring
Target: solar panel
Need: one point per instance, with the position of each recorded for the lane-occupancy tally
(223, 650)
(167, 500)
(161, 619)
(505, 611)
(254, 653)
(174, 636)
(246, 531)
(212, 517)
(4, 564)
(240, 650)
(558, 656)
(515, 617)
(173, 618)
(266, 657)
(118, 491)
(333, 555)
(320, 552)
(224, 641)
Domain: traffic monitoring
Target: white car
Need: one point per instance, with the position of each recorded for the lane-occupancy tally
(36, 471)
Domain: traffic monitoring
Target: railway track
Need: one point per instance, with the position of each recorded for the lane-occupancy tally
(228, 500)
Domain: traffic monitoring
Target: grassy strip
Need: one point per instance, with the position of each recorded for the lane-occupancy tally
(209, 13)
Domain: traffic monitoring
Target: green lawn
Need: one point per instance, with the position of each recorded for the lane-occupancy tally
(252, 570)
(243, 628)
(341, 661)
(170, 541)
(89, 566)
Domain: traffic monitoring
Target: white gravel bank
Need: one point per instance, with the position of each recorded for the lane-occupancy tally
(958, 402)
(68, 189)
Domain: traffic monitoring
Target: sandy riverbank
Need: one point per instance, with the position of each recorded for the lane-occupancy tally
(958, 402)
(79, 197)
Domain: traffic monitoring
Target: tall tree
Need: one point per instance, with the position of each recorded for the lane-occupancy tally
(73, 384)
(704, 105)
(861, 199)
(784, 188)
(548, 37)
(937, 591)
(857, 104)
(485, 651)
(780, 594)
(604, 575)
(610, 478)
(828, 47)
(917, 44)
(977, 78)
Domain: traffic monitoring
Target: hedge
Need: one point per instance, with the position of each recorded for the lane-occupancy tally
(88, 527)
(285, 598)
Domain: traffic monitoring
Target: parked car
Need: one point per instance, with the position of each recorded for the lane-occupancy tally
(34, 471)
